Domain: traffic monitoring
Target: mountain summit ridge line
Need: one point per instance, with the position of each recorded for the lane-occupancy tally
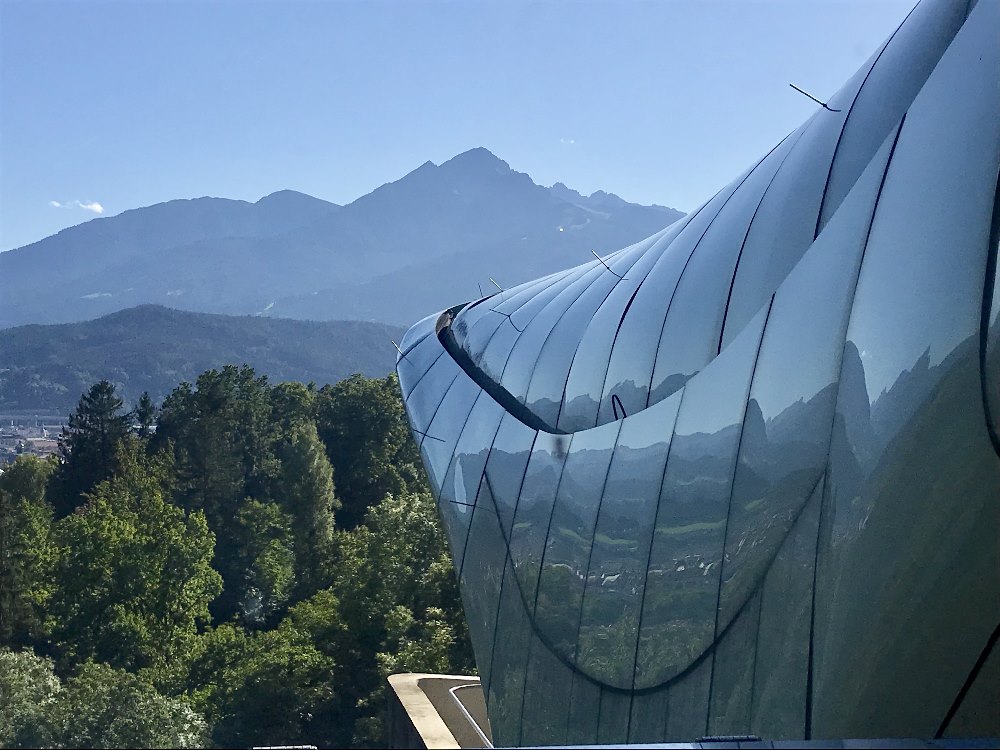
(391, 255)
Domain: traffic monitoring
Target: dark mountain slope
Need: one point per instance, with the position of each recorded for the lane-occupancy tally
(151, 348)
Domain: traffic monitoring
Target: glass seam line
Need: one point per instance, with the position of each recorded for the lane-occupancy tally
(991, 642)
(652, 535)
(413, 387)
(480, 484)
(548, 335)
(628, 306)
(992, 251)
(729, 507)
(590, 555)
(695, 663)
(847, 118)
(807, 719)
(437, 408)
(833, 420)
(680, 277)
(530, 615)
(743, 244)
(506, 540)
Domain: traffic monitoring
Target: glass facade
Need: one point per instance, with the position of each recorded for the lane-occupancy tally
(743, 477)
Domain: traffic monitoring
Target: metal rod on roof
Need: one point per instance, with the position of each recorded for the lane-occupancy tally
(400, 351)
(426, 435)
(599, 258)
(824, 105)
(497, 286)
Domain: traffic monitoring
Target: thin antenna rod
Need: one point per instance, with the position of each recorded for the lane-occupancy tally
(824, 105)
(599, 258)
(481, 295)
(431, 437)
(496, 284)
(401, 354)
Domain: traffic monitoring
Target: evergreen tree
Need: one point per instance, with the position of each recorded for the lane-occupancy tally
(306, 492)
(27, 554)
(88, 446)
(222, 437)
(145, 415)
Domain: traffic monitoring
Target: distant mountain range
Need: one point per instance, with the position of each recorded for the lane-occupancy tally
(45, 368)
(406, 249)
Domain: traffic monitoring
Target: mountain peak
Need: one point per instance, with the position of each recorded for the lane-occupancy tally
(292, 198)
(478, 157)
(568, 194)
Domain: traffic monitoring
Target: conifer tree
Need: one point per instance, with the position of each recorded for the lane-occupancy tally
(88, 446)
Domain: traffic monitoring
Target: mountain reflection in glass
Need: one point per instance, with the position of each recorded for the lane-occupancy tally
(743, 477)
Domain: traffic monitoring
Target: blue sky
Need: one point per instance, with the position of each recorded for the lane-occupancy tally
(114, 105)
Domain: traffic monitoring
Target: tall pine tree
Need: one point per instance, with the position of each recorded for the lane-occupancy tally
(88, 446)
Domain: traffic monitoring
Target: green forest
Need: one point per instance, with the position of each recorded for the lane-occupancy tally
(241, 565)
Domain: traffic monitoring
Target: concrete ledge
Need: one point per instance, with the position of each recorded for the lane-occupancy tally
(427, 711)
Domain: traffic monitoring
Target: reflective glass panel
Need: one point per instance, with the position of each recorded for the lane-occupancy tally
(505, 467)
(417, 331)
(784, 225)
(649, 716)
(480, 582)
(417, 362)
(690, 336)
(630, 366)
(612, 727)
(458, 493)
(608, 318)
(425, 397)
(991, 360)
(682, 580)
(510, 661)
(472, 450)
(778, 705)
(609, 625)
(475, 337)
(493, 358)
(584, 711)
(901, 68)
(523, 360)
(438, 446)
(687, 703)
(570, 533)
(548, 377)
(546, 715)
(911, 541)
(732, 675)
(589, 362)
(786, 433)
(977, 714)
(534, 509)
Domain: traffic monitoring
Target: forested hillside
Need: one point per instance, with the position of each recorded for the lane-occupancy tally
(243, 565)
(152, 348)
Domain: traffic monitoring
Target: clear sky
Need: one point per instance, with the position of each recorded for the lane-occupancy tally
(115, 105)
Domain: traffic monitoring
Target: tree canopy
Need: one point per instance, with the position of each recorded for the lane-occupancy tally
(243, 565)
